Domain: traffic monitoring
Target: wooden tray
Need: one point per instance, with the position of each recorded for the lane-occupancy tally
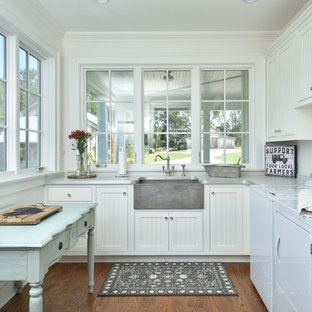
(27, 214)
(85, 176)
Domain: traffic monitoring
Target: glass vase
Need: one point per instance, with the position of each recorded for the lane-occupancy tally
(81, 159)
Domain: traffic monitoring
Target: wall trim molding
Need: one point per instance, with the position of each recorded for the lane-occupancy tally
(183, 36)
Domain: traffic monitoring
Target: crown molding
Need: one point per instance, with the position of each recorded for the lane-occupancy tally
(189, 36)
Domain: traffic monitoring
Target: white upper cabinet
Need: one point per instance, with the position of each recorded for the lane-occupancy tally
(280, 91)
(305, 78)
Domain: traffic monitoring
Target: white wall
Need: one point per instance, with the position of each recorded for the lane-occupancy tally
(304, 157)
(202, 48)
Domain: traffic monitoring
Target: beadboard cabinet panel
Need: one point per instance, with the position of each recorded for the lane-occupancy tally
(111, 220)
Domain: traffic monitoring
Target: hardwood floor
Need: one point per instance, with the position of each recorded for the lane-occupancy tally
(65, 289)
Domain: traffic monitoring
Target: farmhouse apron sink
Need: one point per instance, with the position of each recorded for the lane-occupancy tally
(168, 193)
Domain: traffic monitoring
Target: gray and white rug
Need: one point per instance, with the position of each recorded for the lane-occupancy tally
(168, 279)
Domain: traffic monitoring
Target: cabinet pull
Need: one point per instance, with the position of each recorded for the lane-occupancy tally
(171, 218)
(311, 249)
(85, 223)
(166, 218)
(68, 195)
(277, 249)
(124, 193)
(310, 88)
(212, 193)
(60, 246)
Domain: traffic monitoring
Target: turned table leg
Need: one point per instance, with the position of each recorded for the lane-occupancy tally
(90, 260)
(35, 300)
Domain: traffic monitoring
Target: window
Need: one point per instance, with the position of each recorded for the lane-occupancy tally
(3, 103)
(110, 115)
(167, 115)
(30, 109)
(224, 116)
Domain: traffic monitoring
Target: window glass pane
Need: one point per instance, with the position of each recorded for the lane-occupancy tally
(179, 117)
(180, 148)
(23, 68)
(179, 85)
(155, 85)
(23, 149)
(34, 112)
(122, 86)
(33, 150)
(237, 146)
(98, 86)
(2, 57)
(155, 117)
(98, 117)
(2, 103)
(212, 117)
(101, 149)
(123, 140)
(34, 74)
(212, 85)
(23, 109)
(123, 117)
(237, 117)
(154, 144)
(237, 85)
(212, 148)
(2, 149)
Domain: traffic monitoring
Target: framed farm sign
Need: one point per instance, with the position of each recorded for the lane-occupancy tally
(280, 160)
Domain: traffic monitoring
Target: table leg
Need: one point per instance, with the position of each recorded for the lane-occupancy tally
(35, 300)
(19, 287)
(90, 260)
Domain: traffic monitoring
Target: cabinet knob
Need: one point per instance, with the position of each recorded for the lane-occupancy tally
(60, 245)
(68, 195)
(166, 218)
(124, 193)
(85, 223)
(171, 218)
(212, 193)
(310, 88)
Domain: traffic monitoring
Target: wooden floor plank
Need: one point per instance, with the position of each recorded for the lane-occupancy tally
(65, 290)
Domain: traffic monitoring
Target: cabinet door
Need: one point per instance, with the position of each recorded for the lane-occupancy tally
(273, 94)
(261, 246)
(111, 219)
(185, 231)
(287, 97)
(226, 219)
(305, 89)
(151, 231)
(293, 274)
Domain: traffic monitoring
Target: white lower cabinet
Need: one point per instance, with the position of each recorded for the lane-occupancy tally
(292, 264)
(168, 231)
(228, 220)
(112, 219)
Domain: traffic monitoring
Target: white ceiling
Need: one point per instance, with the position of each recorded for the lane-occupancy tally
(172, 15)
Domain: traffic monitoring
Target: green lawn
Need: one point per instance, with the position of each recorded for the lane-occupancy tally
(231, 157)
(150, 158)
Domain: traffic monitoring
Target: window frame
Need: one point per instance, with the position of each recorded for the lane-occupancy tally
(29, 51)
(5, 81)
(195, 68)
(224, 103)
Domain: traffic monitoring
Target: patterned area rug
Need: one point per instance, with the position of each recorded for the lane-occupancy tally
(168, 279)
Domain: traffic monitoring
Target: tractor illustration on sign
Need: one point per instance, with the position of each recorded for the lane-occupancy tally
(279, 157)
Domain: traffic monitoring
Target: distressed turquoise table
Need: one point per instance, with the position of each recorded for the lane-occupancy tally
(27, 251)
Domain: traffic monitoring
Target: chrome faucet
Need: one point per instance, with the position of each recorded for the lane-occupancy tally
(168, 170)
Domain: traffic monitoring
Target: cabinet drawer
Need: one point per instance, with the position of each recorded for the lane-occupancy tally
(69, 194)
(58, 246)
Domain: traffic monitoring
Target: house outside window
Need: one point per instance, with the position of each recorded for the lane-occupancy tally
(224, 116)
(167, 115)
(3, 103)
(30, 109)
(110, 115)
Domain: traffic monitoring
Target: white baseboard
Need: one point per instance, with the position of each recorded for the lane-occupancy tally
(77, 259)
(7, 291)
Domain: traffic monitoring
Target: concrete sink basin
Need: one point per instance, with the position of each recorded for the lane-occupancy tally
(168, 193)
